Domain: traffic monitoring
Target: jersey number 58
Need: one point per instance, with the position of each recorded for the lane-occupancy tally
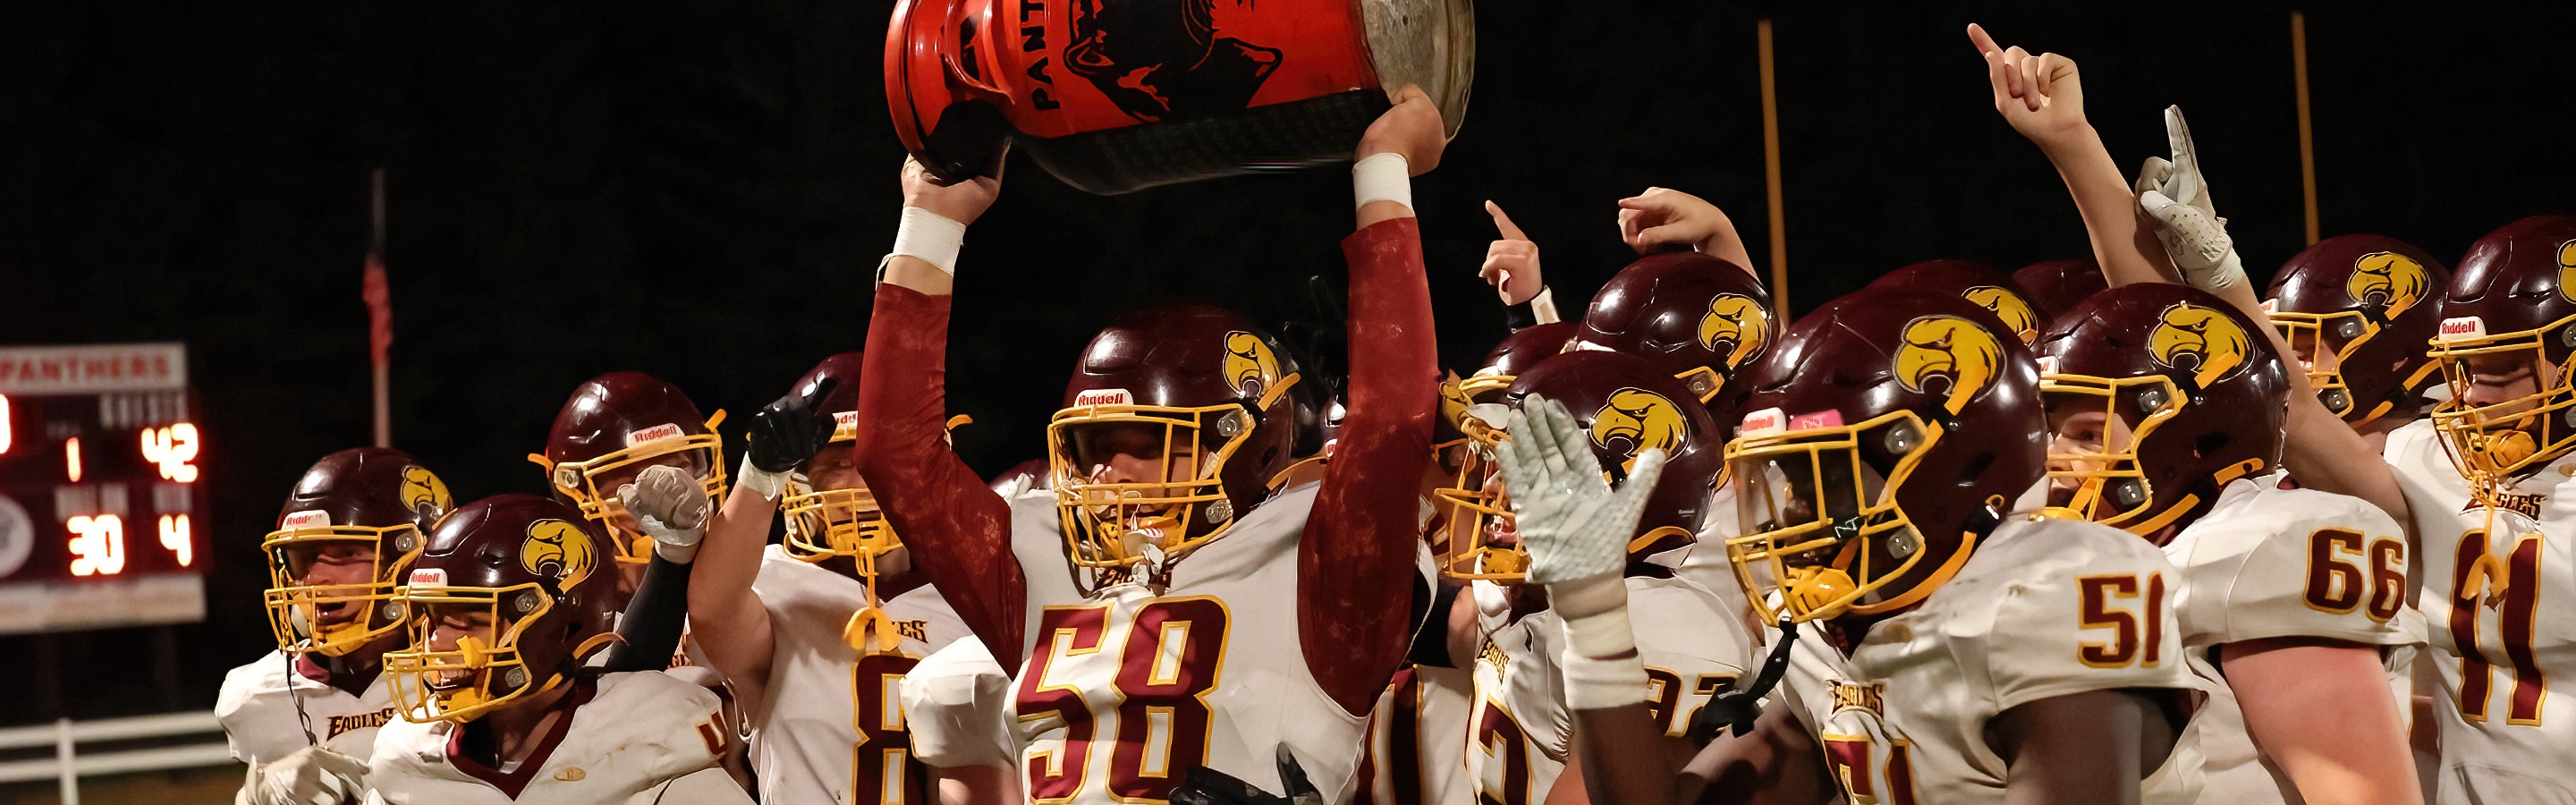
(1168, 661)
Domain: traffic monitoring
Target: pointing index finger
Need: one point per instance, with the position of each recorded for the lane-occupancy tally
(1503, 223)
(1984, 43)
(2178, 135)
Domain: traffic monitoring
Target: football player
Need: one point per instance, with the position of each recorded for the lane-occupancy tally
(813, 635)
(2473, 485)
(1169, 615)
(509, 595)
(1942, 640)
(612, 428)
(305, 716)
(2482, 483)
(1521, 728)
(2168, 406)
(2359, 309)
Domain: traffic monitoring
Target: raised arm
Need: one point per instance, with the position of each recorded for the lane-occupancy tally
(672, 508)
(2326, 452)
(1663, 218)
(1512, 267)
(1355, 559)
(728, 621)
(956, 529)
(2043, 98)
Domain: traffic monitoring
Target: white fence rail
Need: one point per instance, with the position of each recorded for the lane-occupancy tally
(68, 766)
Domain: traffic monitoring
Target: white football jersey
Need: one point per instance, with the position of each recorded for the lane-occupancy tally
(258, 708)
(2498, 594)
(1120, 685)
(806, 742)
(1416, 737)
(958, 702)
(2268, 562)
(627, 737)
(1692, 642)
(1419, 725)
(2042, 608)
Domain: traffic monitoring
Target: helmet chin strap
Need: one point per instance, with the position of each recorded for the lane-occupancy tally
(1735, 708)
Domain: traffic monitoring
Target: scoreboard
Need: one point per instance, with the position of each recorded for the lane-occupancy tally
(102, 493)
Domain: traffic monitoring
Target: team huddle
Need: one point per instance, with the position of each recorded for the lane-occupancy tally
(2107, 530)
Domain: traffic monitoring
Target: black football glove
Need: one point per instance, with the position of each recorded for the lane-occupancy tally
(785, 433)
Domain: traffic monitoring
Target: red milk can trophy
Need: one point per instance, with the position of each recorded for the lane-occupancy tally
(1119, 95)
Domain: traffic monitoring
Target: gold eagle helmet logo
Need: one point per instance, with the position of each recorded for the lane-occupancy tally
(2396, 280)
(423, 492)
(1634, 420)
(1249, 364)
(2214, 344)
(558, 549)
(2567, 269)
(2009, 307)
(1960, 351)
(1738, 322)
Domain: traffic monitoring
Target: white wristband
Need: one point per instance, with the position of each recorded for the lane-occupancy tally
(1382, 177)
(1598, 684)
(929, 237)
(1595, 616)
(1543, 306)
(765, 484)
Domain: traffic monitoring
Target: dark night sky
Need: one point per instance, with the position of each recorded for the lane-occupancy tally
(700, 191)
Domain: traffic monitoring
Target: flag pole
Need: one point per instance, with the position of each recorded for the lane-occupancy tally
(1771, 174)
(380, 322)
(2307, 140)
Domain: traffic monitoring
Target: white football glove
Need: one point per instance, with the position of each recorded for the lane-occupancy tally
(2176, 201)
(314, 775)
(1576, 529)
(671, 506)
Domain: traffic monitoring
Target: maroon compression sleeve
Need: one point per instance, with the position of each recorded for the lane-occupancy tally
(958, 531)
(1355, 559)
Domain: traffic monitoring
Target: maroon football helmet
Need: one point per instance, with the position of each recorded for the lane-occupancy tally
(2160, 396)
(2513, 299)
(1203, 397)
(1972, 281)
(1698, 317)
(2369, 304)
(531, 569)
(1883, 437)
(372, 499)
(1628, 405)
(843, 520)
(2053, 287)
(614, 426)
(1518, 352)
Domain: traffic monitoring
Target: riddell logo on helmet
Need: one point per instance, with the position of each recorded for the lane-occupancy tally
(308, 518)
(2462, 328)
(1085, 399)
(431, 578)
(653, 434)
(845, 425)
(1765, 422)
